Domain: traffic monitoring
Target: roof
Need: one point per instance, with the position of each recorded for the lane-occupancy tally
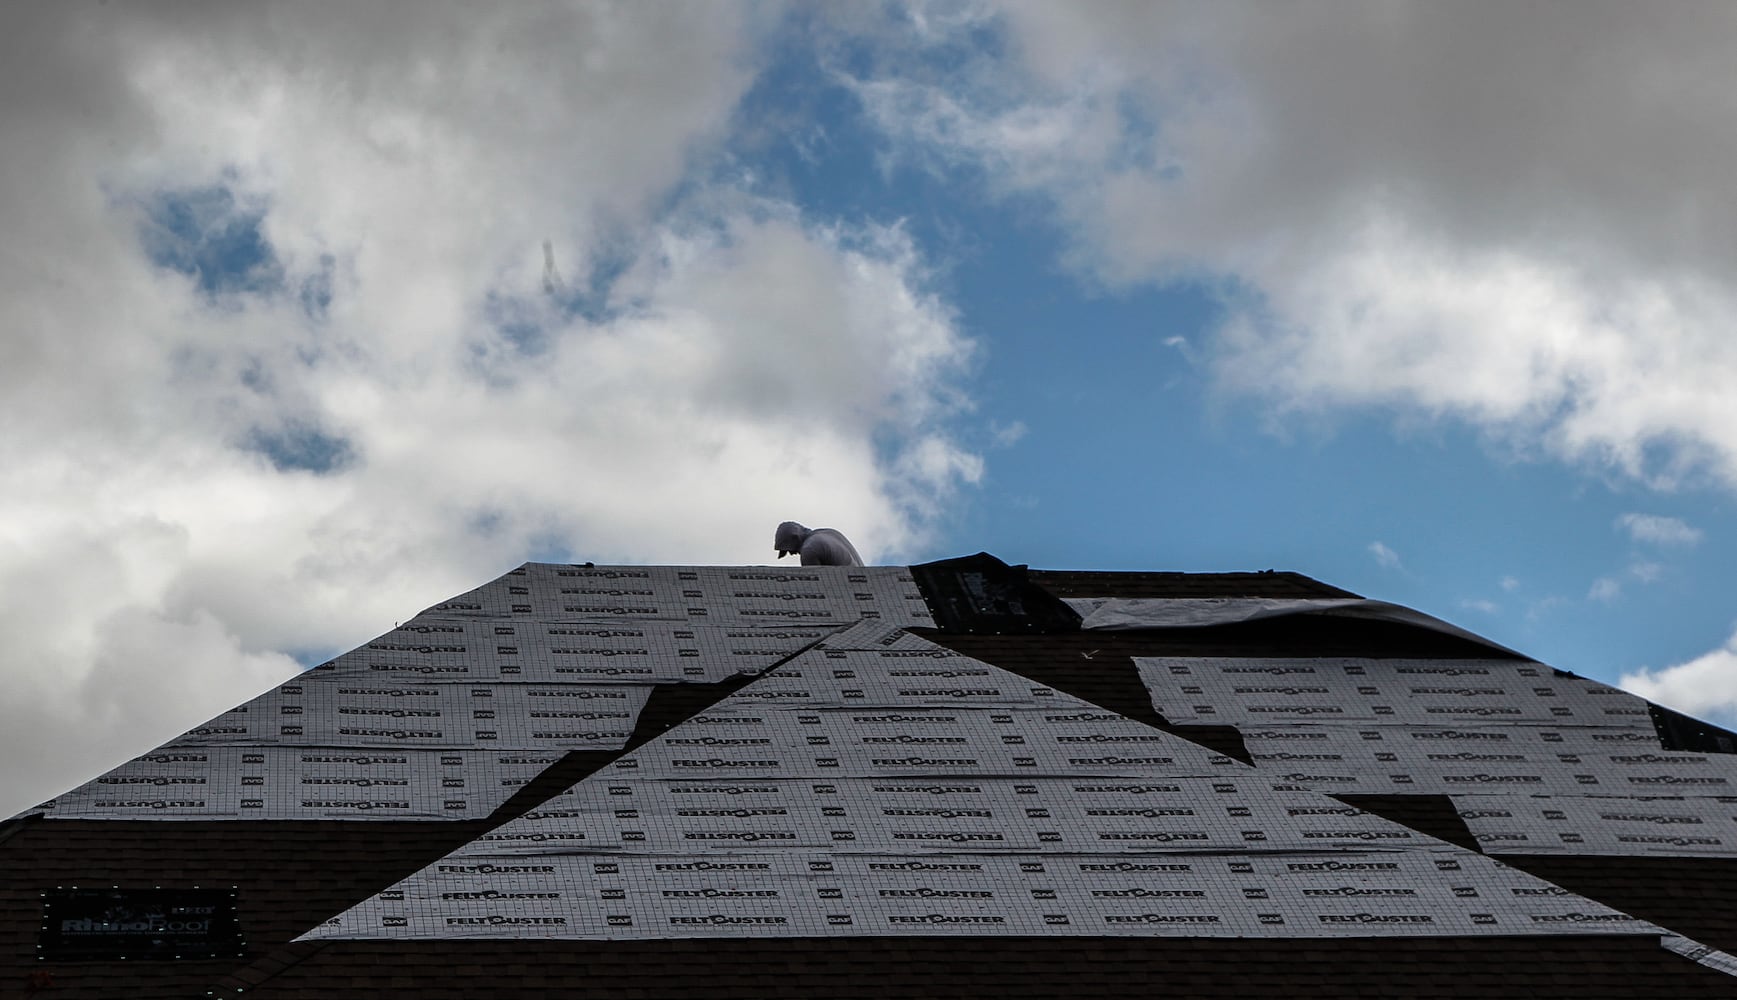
(818, 781)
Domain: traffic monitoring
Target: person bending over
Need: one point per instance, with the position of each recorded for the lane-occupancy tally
(816, 546)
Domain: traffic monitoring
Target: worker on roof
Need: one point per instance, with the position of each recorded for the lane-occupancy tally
(817, 546)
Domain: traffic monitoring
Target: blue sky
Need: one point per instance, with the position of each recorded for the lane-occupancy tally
(1128, 456)
(1432, 303)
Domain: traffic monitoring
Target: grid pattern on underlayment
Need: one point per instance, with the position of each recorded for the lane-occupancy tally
(851, 792)
(630, 650)
(1535, 761)
(449, 714)
(717, 595)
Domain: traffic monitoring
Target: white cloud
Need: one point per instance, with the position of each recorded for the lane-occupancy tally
(1385, 557)
(1545, 606)
(170, 524)
(1705, 686)
(1510, 584)
(1007, 435)
(1646, 572)
(1488, 607)
(1658, 530)
(1394, 228)
(1605, 589)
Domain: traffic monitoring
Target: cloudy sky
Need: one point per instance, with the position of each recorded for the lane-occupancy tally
(312, 316)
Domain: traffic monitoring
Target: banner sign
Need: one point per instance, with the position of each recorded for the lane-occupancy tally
(86, 925)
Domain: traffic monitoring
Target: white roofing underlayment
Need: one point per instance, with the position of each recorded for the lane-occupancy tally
(448, 715)
(1536, 762)
(869, 782)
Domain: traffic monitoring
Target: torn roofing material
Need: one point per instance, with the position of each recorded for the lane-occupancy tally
(573, 764)
(1129, 614)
